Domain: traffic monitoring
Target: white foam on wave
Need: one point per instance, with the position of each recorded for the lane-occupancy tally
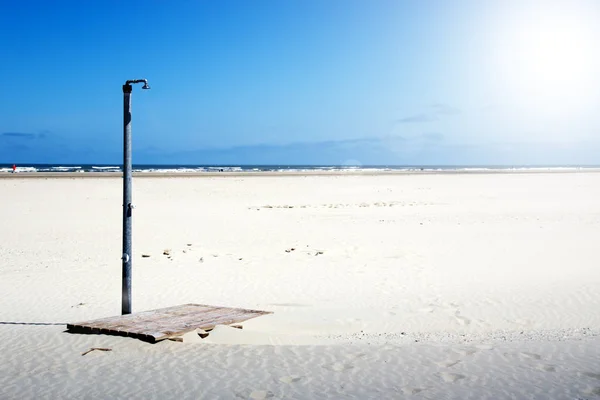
(330, 169)
(61, 169)
(224, 169)
(300, 169)
(188, 170)
(169, 170)
(19, 169)
(105, 168)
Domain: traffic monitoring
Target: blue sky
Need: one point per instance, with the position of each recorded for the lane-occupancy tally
(302, 82)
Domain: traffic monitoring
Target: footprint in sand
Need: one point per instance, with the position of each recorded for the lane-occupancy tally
(523, 356)
(593, 391)
(446, 363)
(290, 379)
(464, 321)
(260, 395)
(546, 367)
(450, 377)
(338, 366)
(465, 352)
(411, 390)
(530, 356)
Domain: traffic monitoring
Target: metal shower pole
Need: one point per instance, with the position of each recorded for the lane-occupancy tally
(127, 205)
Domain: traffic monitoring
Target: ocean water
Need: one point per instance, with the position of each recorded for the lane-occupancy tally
(103, 168)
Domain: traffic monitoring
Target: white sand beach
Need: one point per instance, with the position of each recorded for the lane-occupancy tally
(424, 286)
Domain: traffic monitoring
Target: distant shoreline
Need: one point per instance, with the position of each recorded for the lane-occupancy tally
(239, 174)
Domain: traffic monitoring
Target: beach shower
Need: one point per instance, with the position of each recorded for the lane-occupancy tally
(127, 204)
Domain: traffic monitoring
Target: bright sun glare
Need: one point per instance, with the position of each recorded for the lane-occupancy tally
(546, 54)
(551, 54)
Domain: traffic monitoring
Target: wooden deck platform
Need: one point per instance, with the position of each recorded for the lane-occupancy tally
(155, 325)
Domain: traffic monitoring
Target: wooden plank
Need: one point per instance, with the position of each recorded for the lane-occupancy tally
(156, 325)
(221, 320)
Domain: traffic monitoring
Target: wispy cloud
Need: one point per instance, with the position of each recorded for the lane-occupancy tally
(23, 135)
(417, 118)
(19, 135)
(433, 136)
(444, 109)
(432, 113)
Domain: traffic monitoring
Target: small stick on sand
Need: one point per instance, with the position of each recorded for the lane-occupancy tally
(96, 348)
